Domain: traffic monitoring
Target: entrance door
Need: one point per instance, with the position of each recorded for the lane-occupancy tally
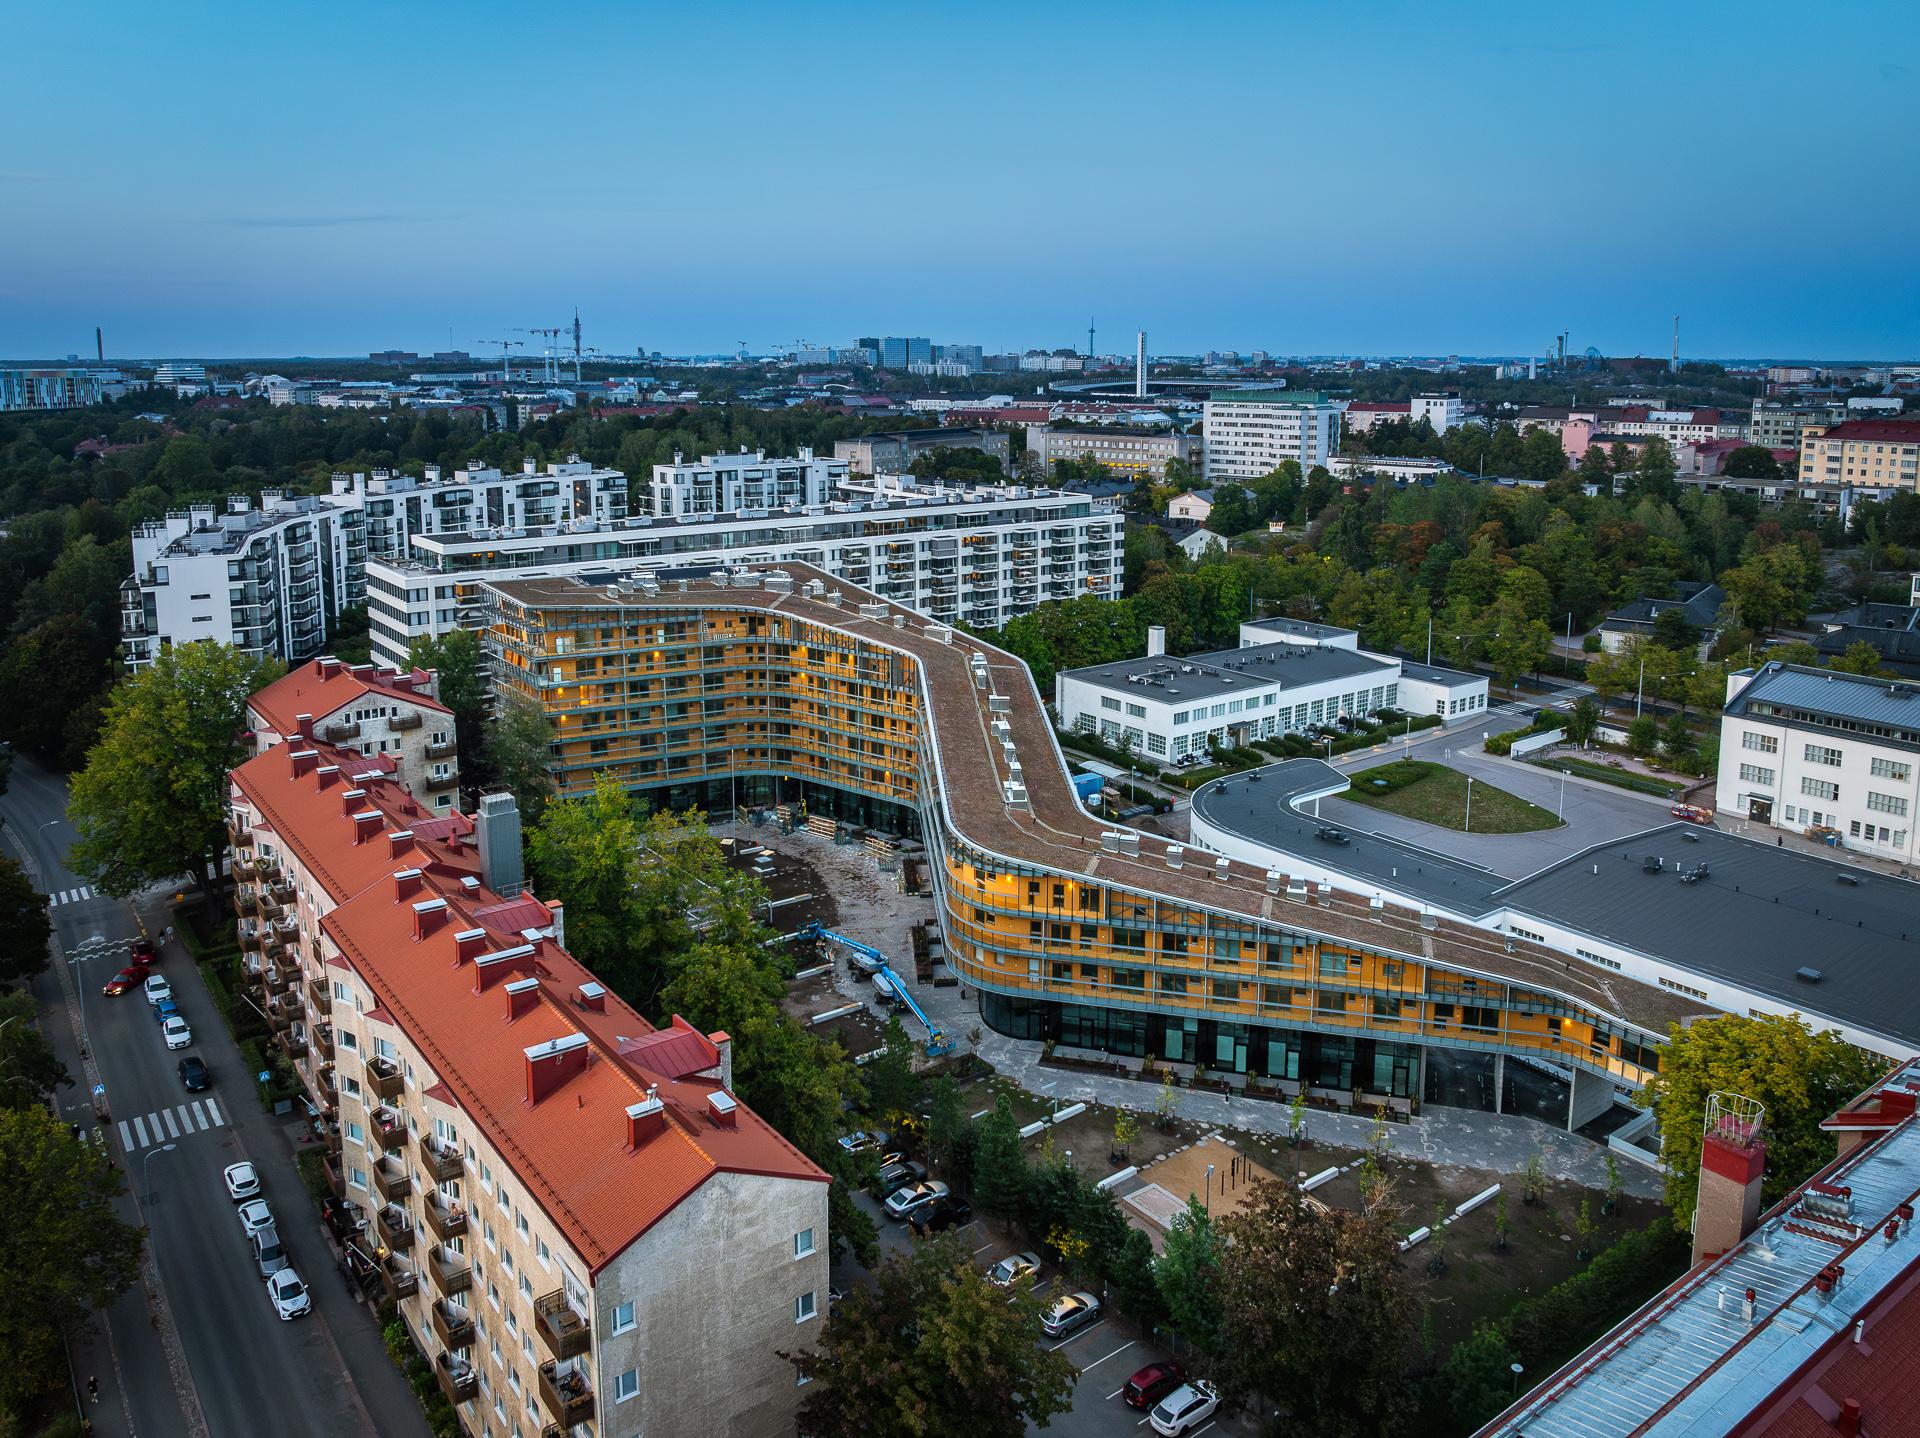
(1760, 810)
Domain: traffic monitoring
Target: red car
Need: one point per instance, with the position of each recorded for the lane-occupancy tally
(1154, 1382)
(130, 978)
(144, 952)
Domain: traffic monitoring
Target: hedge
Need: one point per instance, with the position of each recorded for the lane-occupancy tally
(1503, 743)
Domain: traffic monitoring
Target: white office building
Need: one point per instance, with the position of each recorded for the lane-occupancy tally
(975, 556)
(1821, 751)
(1249, 432)
(730, 483)
(1442, 411)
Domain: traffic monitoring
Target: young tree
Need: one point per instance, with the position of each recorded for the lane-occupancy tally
(948, 1127)
(933, 1350)
(29, 1073)
(1677, 739)
(1188, 1272)
(1314, 1306)
(24, 926)
(518, 754)
(1001, 1178)
(67, 1251)
(892, 1086)
(1799, 1075)
(1643, 736)
(1132, 1283)
(1126, 1130)
(151, 803)
(1583, 721)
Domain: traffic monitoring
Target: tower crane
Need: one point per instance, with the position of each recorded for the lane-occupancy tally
(506, 354)
(549, 361)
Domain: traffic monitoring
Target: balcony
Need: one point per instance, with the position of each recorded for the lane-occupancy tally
(437, 782)
(566, 1333)
(274, 975)
(398, 1277)
(457, 1378)
(319, 995)
(394, 1227)
(401, 723)
(567, 1395)
(391, 1180)
(340, 732)
(321, 1037)
(250, 937)
(441, 751)
(329, 1090)
(446, 1219)
(282, 1013)
(451, 1272)
(389, 1127)
(240, 838)
(244, 901)
(383, 1076)
(294, 1041)
(442, 1163)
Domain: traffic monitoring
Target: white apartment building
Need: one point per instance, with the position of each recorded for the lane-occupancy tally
(1127, 452)
(1442, 411)
(976, 556)
(1248, 432)
(398, 506)
(270, 580)
(1813, 749)
(729, 483)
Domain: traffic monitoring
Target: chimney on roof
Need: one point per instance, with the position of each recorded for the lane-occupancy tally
(406, 883)
(1847, 1421)
(468, 945)
(1156, 640)
(592, 997)
(552, 1063)
(1733, 1160)
(522, 995)
(721, 1108)
(366, 824)
(325, 777)
(399, 841)
(350, 800)
(303, 726)
(559, 921)
(645, 1119)
(723, 1041)
(328, 666)
(490, 969)
(428, 916)
(498, 827)
(304, 761)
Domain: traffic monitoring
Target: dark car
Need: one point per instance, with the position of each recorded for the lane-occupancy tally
(942, 1214)
(194, 1074)
(142, 951)
(1330, 835)
(899, 1174)
(1154, 1382)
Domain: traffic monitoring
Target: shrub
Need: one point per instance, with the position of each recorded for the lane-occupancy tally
(1591, 644)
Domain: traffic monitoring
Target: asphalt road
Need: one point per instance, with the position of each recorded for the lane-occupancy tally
(211, 1359)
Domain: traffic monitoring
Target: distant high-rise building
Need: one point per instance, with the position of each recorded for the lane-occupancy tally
(1248, 432)
(897, 353)
(50, 388)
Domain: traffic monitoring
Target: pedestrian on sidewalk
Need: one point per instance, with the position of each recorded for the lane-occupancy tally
(93, 1388)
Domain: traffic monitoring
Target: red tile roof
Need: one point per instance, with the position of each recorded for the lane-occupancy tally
(1903, 431)
(1877, 1373)
(1381, 406)
(325, 686)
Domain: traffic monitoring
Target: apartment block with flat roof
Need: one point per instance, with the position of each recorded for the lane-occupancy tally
(1249, 432)
(730, 483)
(1861, 453)
(1126, 451)
(38, 389)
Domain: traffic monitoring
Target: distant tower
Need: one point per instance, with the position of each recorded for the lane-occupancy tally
(1733, 1160)
(1675, 366)
(99, 345)
(1089, 336)
(1140, 365)
(576, 344)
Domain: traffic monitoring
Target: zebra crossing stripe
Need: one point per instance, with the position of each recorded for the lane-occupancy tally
(140, 1129)
(173, 1130)
(213, 1112)
(200, 1115)
(126, 1138)
(186, 1120)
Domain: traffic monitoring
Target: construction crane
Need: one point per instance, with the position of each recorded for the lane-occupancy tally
(549, 362)
(506, 354)
(874, 963)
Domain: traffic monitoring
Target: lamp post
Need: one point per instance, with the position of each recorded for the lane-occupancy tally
(1639, 686)
(146, 1187)
(1469, 828)
(1517, 1370)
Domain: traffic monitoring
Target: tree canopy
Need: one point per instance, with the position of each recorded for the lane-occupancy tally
(24, 925)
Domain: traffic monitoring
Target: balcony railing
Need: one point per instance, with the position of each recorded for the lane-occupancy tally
(384, 1076)
(401, 723)
(395, 1227)
(398, 1277)
(442, 1163)
(452, 1324)
(441, 751)
(451, 1272)
(447, 1220)
(294, 1041)
(568, 1396)
(457, 1379)
(389, 1127)
(321, 1036)
(566, 1333)
(391, 1180)
(339, 731)
(319, 995)
(437, 782)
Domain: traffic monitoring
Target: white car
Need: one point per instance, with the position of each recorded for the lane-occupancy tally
(1011, 1269)
(242, 1181)
(254, 1216)
(913, 1198)
(289, 1294)
(157, 988)
(176, 1032)
(1187, 1405)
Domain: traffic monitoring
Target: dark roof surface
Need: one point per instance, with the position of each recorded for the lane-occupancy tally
(1832, 694)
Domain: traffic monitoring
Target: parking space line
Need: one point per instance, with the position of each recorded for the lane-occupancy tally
(126, 1138)
(1098, 1361)
(140, 1128)
(1081, 1334)
(982, 1249)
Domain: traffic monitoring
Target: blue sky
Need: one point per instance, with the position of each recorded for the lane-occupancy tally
(1304, 178)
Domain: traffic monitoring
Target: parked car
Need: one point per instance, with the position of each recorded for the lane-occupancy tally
(1187, 1405)
(157, 988)
(1692, 813)
(863, 1140)
(288, 1293)
(904, 1202)
(268, 1252)
(1011, 1269)
(128, 978)
(1327, 834)
(164, 1010)
(144, 951)
(176, 1032)
(899, 1173)
(242, 1181)
(254, 1216)
(1154, 1382)
(940, 1215)
(1069, 1314)
(194, 1073)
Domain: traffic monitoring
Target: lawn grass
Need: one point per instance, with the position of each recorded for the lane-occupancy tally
(1620, 778)
(1435, 794)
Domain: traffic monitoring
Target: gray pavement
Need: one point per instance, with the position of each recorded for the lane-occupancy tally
(194, 1349)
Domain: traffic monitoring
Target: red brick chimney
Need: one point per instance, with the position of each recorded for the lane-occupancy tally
(350, 800)
(490, 969)
(551, 1064)
(325, 777)
(645, 1119)
(523, 995)
(406, 883)
(304, 761)
(721, 1108)
(303, 726)
(592, 997)
(428, 916)
(366, 824)
(399, 841)
(468, 945)
(1733, 1160)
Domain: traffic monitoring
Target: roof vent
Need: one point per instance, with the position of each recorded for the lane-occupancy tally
(722, 1109)
(552, 1063)
(645, 1119)
(522, 995)
(1808, 975)
(1274, 879)
(592, 996)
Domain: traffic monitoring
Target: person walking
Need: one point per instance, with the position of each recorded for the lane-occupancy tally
(93, 1388)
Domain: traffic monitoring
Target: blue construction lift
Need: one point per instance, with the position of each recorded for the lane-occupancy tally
(872, 962)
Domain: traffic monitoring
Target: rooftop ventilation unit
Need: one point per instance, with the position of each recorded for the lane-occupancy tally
(1175, 856)
(1808, 975)
(1274, 880)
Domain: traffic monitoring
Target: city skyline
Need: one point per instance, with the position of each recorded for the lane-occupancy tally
(317, 190)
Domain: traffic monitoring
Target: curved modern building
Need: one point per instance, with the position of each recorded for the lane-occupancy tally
(781, 686)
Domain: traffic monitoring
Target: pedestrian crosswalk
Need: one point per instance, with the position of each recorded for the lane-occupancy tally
(70, 896)
(164, 1125)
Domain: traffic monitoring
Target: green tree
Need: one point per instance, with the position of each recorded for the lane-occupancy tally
(1596, 469)
(29, 1073)
(950, 1133)
(24, 926)
(455, 658)
(1752, 461)
(68, 1253)
(1583, 721)
(518, 754)
(1799, 1075)
(1643, 736)
(1132, 1283)
(1515, 643)
(1001, 1179)
(1314, 1305)
(1189, 1274)
(1670, 629)
(584, 852)
(1126, 1131)
(1677, 740)
(932, 1350)
(151, 803)
(892, 1086)
(1860, 658)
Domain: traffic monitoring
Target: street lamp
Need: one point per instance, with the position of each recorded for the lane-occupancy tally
(146, 1186)
(1517, 1370)
(1469, 828)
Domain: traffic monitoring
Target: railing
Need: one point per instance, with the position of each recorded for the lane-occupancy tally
(391, 1180)
(441, 751)
(322, 1037)
(397, 1276)
(394, 1227)
(436, 782)
(442, 1163)
(384, 1076)
(451, 1272)
(389, 1128)
(401, 723)
(452, 1323)
(319, 995)
(565, 1332)
(337, 732)
(457, 1379)
(294, 1042)
(568, 1396)
(447, 1220)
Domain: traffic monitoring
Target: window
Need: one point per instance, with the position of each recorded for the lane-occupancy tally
(1754, 774)
(626, 1385)
(1760, 743)
(1819, 789)
(1593, 958)
(1890, 769)
(1680, 988)
(355, 1133)
(622, 1317)
(804, 1307)
(357, 1177)
(803, 1243)
(1820, 754)
(546, 1254)
(1887, 804)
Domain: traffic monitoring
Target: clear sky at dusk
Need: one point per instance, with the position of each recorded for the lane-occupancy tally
(1327, 178)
